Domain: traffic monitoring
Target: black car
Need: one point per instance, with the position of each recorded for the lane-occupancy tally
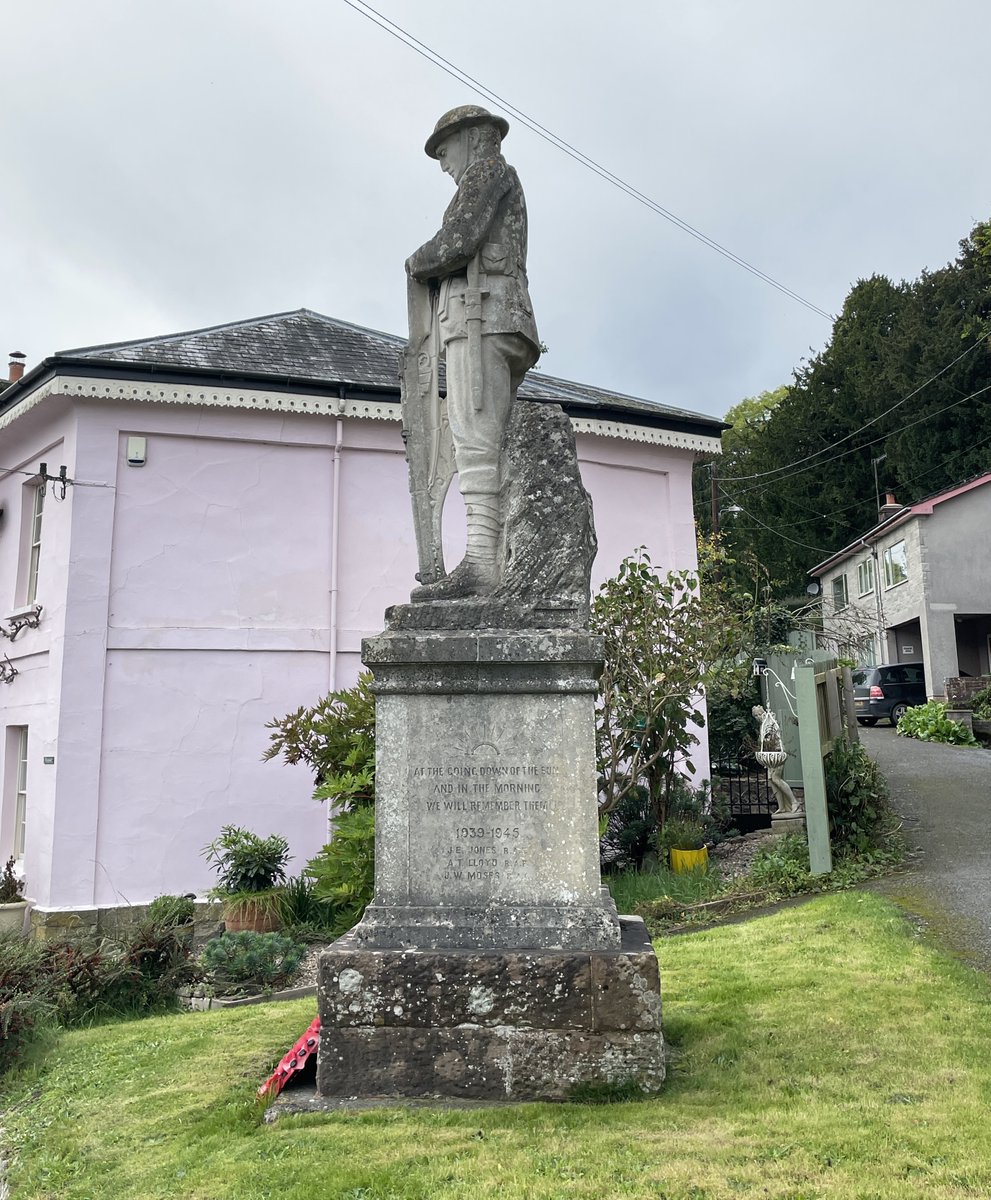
(887, 691)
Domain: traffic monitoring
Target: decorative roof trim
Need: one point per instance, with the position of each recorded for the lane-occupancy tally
(603, 427)
(257, 400)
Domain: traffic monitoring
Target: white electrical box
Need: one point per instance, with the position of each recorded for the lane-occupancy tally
(137, 451)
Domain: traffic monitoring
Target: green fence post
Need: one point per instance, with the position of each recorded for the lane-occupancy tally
(814, 779)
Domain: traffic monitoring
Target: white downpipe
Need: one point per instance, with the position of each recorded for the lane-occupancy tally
(335, 544)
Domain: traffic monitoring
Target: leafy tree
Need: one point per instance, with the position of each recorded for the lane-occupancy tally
(335, 738)
(799, 463)
(666, 641)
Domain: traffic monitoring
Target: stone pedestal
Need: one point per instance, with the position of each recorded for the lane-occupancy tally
(788, 822)
(491, 963)
(488, 1024)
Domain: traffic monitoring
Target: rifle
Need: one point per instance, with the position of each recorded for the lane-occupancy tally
(429, 448)
(473, 320)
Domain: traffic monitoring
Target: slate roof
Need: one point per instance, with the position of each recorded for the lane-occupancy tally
(921, 508)
(307, 349)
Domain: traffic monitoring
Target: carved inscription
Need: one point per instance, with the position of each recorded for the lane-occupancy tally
(485, 818)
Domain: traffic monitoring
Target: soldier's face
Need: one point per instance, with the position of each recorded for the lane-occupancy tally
(452, 154)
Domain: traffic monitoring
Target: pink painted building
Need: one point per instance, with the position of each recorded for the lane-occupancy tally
(235, 519)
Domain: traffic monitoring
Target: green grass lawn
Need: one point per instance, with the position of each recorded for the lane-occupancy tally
(821, 1052)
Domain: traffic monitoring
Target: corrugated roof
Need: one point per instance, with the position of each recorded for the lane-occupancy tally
(307, 347)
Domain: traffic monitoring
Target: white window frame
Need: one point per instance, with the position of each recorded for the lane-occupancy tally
(34, 543)
(865, 573)
(889, 564)
(20, 794)
(841, 580)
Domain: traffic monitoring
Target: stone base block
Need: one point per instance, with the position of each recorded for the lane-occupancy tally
(561, 927)
(488, 1024)
(783, 823)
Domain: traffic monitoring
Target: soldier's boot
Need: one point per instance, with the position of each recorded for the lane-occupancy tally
(478, 572)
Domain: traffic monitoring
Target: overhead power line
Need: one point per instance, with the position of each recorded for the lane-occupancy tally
(835, 512)
(867, 424)
(778, 533)
(865, 445)
(566, 147)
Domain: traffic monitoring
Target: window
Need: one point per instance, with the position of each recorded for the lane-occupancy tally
(34, 544)
(839, 593)
(865, 576)
(895, 565)
(20, 741)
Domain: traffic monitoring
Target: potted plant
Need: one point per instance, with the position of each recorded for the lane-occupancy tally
(981, 704)
(685, 842)
(13, 906)
(251, 870)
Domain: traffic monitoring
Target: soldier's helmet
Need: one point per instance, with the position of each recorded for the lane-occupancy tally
(458, 118)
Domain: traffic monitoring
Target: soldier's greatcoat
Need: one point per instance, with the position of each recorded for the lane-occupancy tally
(487, 214)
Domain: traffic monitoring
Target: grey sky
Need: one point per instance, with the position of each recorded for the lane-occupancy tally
(174, 165)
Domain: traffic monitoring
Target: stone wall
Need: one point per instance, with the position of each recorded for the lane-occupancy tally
(961, 691)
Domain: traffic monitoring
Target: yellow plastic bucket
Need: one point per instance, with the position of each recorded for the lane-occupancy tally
(683, 861)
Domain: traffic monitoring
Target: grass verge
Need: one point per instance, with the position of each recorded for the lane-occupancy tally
(671, 902)
(822, 1052)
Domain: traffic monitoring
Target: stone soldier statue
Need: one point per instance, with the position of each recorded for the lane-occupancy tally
(469, 305)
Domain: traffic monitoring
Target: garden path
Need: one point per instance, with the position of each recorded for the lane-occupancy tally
(943, 795)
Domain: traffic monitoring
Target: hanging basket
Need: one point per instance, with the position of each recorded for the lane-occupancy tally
(771, 758)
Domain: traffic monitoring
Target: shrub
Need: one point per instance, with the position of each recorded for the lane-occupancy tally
(731, 725)
(260, 959)
(681, 834)
(26, 1006)
(981, 704)
(245, 862)
(11, 888)
(782, 867)
(630, 833)
(929, 723)
(307, 915)
(171, 910)
(336, 740)
(343, 873)
(45, 984)
(857, 798)
(23, 1020)
(699, 806)
(160, 961)
(668, 639)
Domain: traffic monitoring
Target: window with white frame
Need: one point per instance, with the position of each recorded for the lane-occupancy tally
(20, 743)
(34, 543)
(839, 593)
(895, 565)
(865, 576)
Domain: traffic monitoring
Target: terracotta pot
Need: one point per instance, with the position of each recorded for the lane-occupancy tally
(247, 916)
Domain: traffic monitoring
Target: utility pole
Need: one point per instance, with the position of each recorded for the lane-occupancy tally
(877, 490)
(714, 497)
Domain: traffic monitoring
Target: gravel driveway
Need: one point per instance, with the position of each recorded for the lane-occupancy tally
(943, 794)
